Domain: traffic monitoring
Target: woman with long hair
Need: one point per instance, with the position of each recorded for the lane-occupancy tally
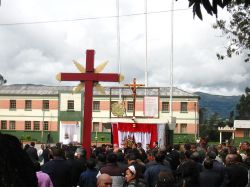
(16, 168)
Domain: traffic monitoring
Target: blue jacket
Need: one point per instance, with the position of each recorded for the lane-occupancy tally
(88, 178)
(151, 173)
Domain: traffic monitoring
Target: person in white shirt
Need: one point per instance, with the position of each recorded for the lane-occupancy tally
(40, 154)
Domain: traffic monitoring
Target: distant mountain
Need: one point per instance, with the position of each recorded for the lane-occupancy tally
(222, 105)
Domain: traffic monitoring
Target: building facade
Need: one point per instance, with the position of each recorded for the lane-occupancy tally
(53, 113)
(242, 130)
(238, 133)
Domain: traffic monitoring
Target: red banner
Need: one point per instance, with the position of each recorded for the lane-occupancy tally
(135, 127)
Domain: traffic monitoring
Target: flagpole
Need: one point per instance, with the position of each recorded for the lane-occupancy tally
(146, 44)
(118, 43)
(171, 62)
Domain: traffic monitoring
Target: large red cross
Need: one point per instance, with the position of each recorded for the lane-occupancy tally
(89, 78)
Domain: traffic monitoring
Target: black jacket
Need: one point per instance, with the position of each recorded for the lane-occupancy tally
(59, 172)
(32, 152)
(210, 178)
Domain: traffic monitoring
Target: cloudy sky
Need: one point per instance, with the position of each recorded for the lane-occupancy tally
(38, 39)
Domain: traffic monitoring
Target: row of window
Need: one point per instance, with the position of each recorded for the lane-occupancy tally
(36, 126)
(28, 104)
(130, 106)
(27, 125)
(182, 128)
(96, 105)
(96, 127)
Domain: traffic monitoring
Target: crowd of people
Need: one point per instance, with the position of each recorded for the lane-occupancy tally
(186, 165)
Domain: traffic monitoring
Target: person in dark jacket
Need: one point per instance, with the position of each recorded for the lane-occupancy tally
(58, 169)
(188, 174)
(173, 156)
(166, 179)
(88, 177)
(101, 161)
(113, 169)
(121, 161)
(235, 173)
(152, 172)
(75, 170)
(80, 155)
(32, 152)
(217, 166)
(81, 161)
(47, 154)
(210, 177)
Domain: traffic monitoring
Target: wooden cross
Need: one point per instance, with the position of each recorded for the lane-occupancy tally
(133, 87)
(89, 77)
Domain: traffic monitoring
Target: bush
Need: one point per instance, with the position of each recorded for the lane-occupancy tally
(26, 138)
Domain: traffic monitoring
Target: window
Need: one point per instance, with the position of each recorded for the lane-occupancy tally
(12, 104)
(45, 104)
(28, 104)
(96, 105)
(95, 127)
(70, 104)
(27, 125)
(104, 129)
(246, 133)
(12, 125)
(183, 106)
(183, 128)
(36, 126)
(3, 125)
(176, 128)
(165, 106)
(130, 106)
(45, 125)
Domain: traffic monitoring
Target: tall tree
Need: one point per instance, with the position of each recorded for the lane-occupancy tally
(210, 128)
(237, 31)
(211, 6)
(243, 107)
(2, 80)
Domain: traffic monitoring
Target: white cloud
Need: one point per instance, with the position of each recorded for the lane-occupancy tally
(35, 53)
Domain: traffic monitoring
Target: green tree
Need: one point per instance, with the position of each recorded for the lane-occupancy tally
(210, 128)
(211, 6)
(243, 107)
(237, 31)
(2, 80)
(202, 115)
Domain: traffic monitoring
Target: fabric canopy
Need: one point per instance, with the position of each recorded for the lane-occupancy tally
(143, 133)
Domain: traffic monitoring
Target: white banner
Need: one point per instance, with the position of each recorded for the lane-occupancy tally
(70, 133)
(151, 106)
